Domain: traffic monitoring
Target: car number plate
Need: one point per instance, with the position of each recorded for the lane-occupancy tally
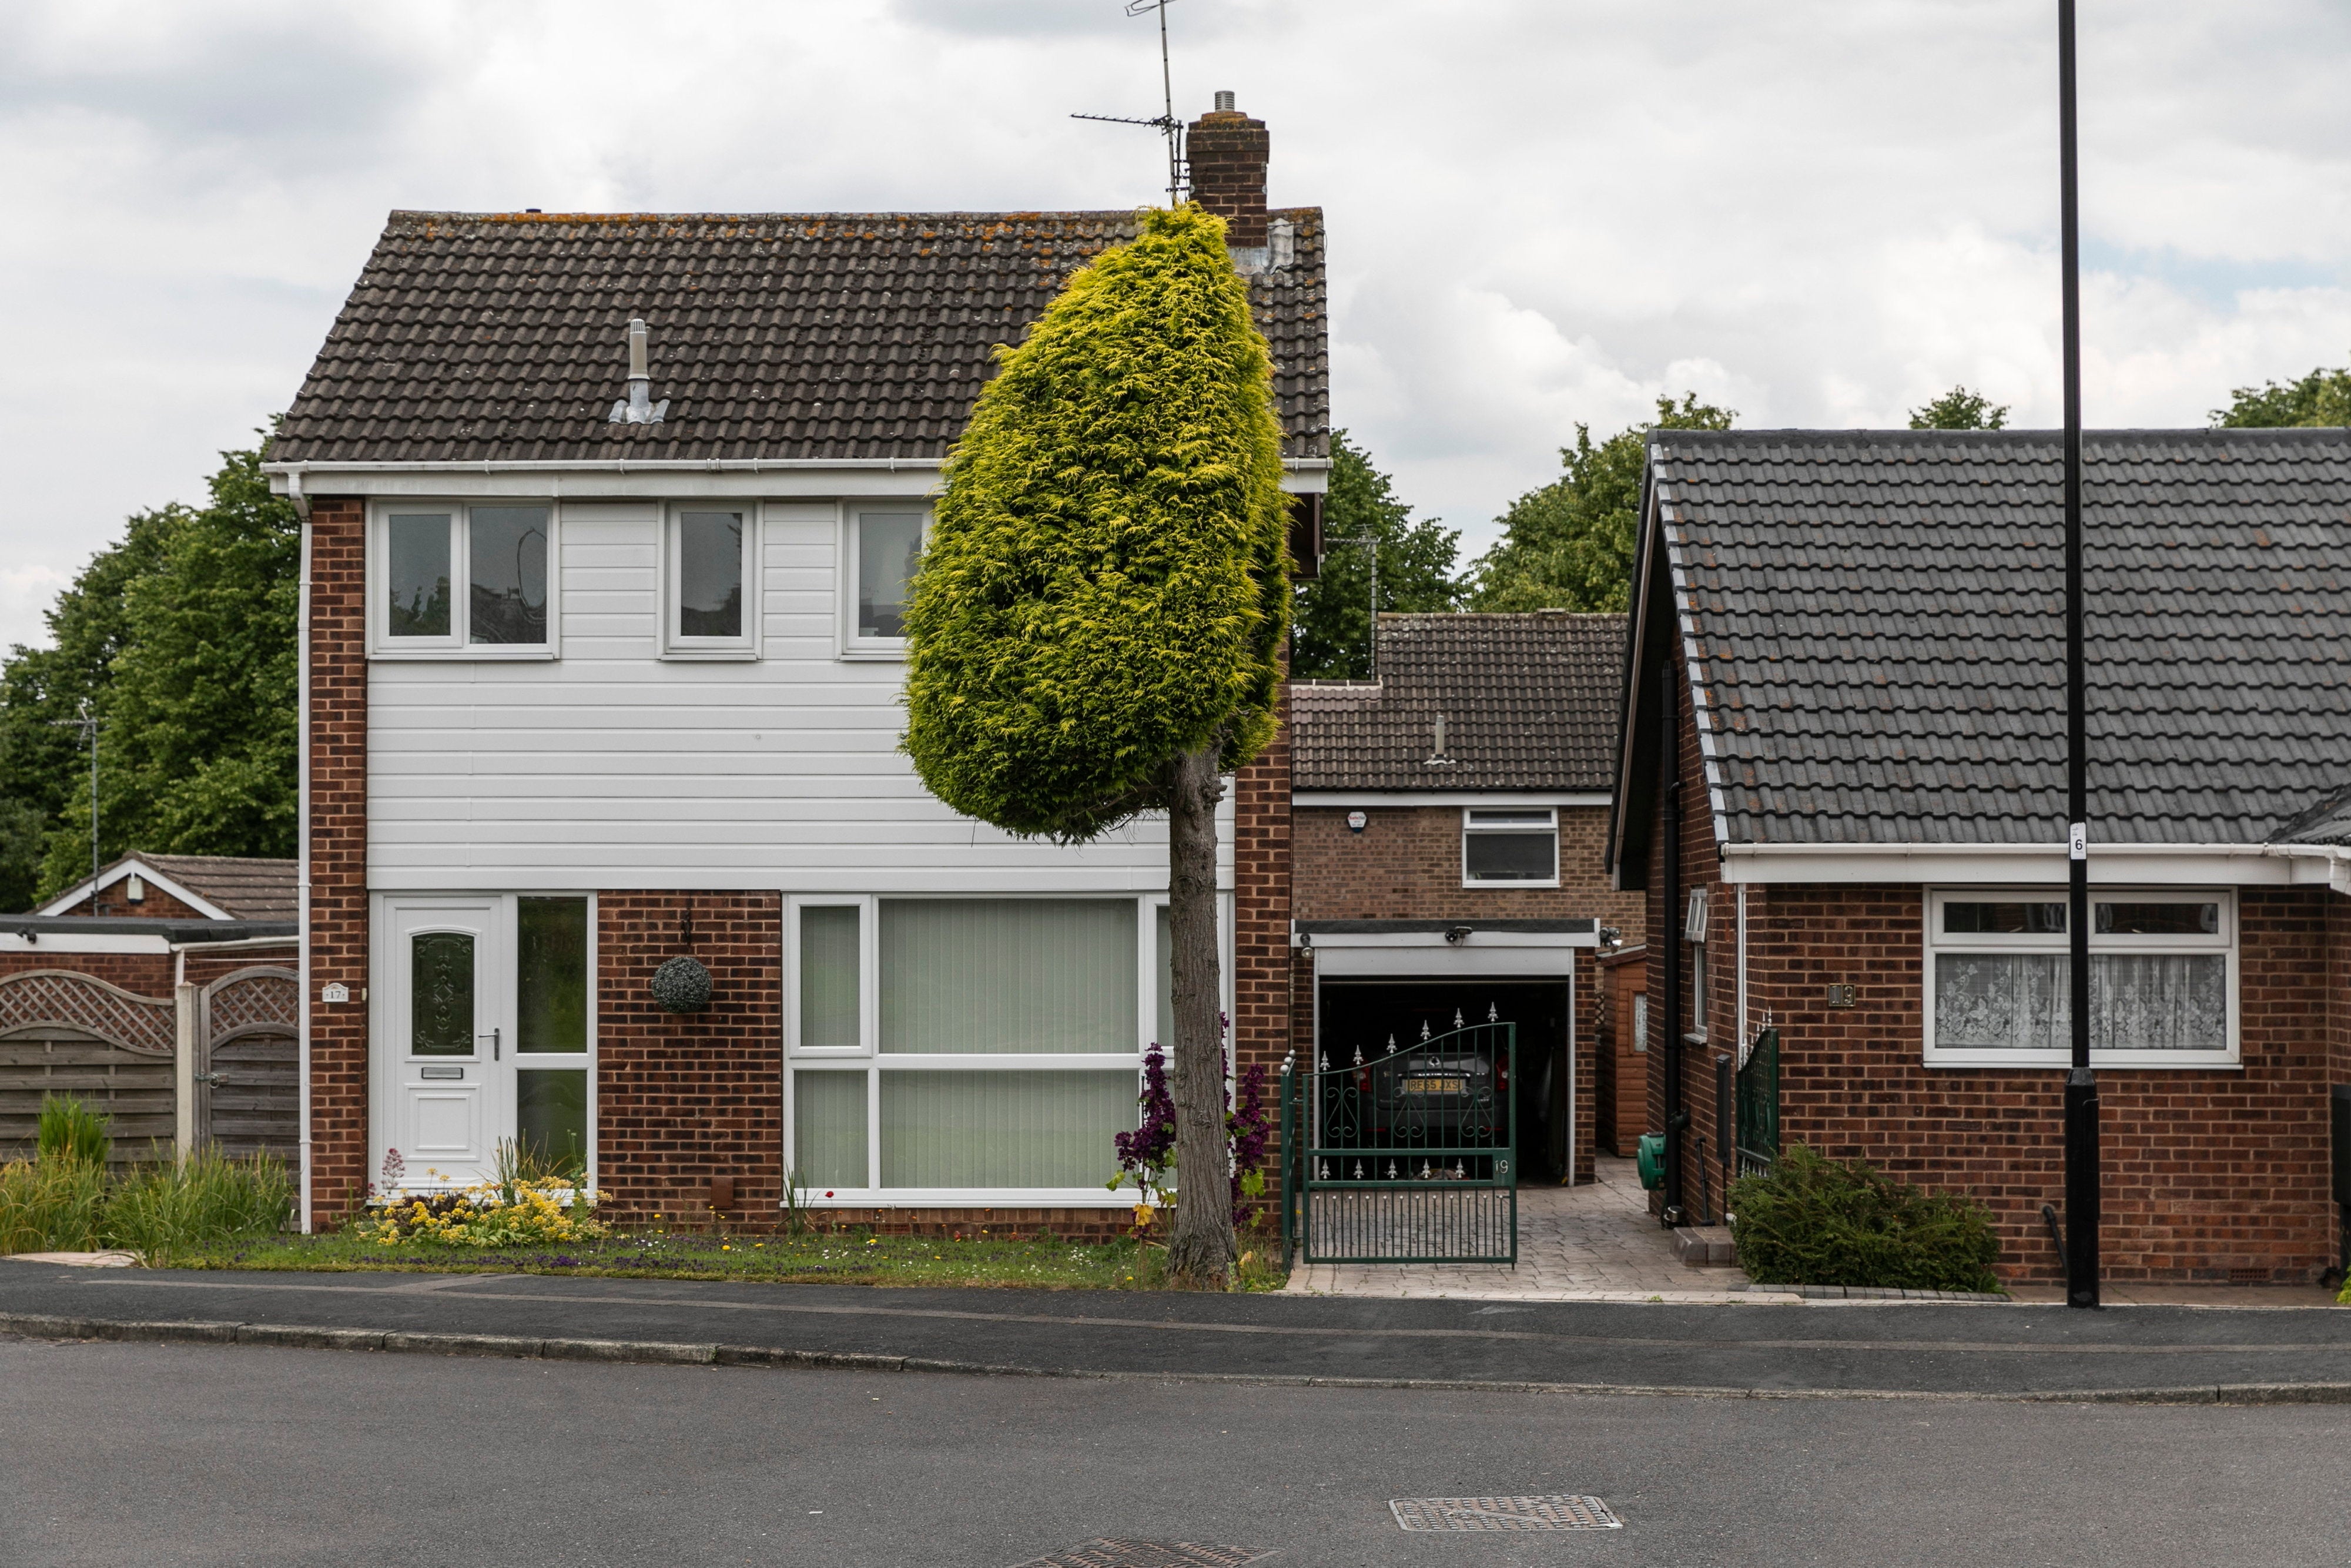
(1434, 1085)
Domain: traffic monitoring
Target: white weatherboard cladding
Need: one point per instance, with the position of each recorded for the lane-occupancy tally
(611, 767)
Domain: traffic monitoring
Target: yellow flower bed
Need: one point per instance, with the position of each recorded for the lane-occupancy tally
(488, 1214)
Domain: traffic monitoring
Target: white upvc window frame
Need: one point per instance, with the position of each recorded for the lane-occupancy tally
(1934, 941)
(868, 1056)
(849, 542)
(669, 573)
(383, 645)
(1470, 826)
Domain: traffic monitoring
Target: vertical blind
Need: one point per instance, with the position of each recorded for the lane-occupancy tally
(1007, 975)
(828, 960)
(829, 1129)
(1003, 1129)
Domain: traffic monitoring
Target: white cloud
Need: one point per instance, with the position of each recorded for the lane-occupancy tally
(1541, 211)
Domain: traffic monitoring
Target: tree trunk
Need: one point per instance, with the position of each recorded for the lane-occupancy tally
(1200, 1251)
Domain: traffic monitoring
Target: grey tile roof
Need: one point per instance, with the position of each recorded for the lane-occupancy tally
(1530, 702)
(249, 888)
(1877, 621)
(502, 335)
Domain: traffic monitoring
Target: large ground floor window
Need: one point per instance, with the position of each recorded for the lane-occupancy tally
(2163, 978)
(967, 1050)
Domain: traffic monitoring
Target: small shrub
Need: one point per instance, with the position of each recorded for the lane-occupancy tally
(51, 1206)
(174, 1207)
(1817, 1221)
(72, 1130)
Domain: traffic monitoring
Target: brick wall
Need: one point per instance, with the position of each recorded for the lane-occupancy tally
(2210, 1174)
(337, 843)
(1263, 891)
(148, 974)
(1228, 152)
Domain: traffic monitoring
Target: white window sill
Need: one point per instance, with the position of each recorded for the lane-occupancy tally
(709, 656)
(892, 654)
(979, 1061)
(480, 653)
(2100, 1061)
(1467, 882)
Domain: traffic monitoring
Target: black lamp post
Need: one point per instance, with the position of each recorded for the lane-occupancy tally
(2081, 1085)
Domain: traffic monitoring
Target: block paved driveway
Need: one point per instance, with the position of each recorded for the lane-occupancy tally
(1592, 1243)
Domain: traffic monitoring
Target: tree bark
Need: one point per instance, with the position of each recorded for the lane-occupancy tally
(1200, 1251)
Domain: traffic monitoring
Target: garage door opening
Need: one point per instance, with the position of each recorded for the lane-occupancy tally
(1376, 1017)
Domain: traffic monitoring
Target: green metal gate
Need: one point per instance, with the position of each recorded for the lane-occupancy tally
(1409, 1157)
(1759, 1106)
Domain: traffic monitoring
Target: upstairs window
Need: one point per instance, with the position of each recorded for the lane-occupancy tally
(2163, 978)
(1516, 847)
(884, 547)
(465, 580)
(710, 576)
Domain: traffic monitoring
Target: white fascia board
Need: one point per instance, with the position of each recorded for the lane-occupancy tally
(2206, 865)
(1326, 940)
(1441, 962)
(1448, 798)
(145, 873)
(747, 478)
(50, 942)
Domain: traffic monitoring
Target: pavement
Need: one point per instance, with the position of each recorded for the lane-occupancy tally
(1906, 1350)
(133, 1454)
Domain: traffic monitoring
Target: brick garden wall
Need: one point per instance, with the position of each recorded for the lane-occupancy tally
(148, 974)
(337, 843)
(1263, 890)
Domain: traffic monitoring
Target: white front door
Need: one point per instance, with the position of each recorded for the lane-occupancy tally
(443, 1039)
(486, 1037)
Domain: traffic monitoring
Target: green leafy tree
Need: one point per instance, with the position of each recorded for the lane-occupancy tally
(1096, 627)
(1570, 543)
(1960, 409)
(2321, 397)
(181, 638)
(1333, 637)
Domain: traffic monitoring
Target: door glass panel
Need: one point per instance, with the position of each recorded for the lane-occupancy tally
(551, 975)
(829, 978)
(417, 576)
(977, 975)
(710, 574)
(441, 994)
(552, 1116)
(1003, 1129)
(829, 1129)
(508, 597)
(887, 544)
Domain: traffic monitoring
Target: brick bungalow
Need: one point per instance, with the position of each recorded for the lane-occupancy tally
(606, 524)
(1449, 830)
(1841, 784)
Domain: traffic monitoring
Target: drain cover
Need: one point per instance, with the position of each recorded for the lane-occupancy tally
(1148, 1554)
(1504, 1514)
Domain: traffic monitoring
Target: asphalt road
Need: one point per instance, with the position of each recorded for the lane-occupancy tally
(197, 1455)
(1929, 1348)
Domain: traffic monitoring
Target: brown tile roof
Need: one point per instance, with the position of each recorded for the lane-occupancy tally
(248, 889)
(1530, 702)
(502, 335)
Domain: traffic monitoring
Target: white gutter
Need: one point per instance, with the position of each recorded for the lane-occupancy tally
(302, 843)
(2112, 863)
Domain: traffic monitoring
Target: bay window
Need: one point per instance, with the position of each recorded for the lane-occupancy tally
(2163, 978)
(954, 1049)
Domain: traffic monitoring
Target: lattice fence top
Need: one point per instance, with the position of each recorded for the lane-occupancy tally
(60, 998)
(250, 997)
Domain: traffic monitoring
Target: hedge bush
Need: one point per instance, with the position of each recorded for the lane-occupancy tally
(1818, 1221)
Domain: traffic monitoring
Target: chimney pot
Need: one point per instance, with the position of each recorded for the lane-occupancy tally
(1224, 103)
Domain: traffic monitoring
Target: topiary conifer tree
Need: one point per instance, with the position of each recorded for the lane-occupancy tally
(1096, 627)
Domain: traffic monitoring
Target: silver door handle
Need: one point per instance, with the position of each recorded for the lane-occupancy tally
(495, 1044)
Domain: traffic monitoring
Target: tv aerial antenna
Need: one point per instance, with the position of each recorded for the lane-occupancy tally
(1166, 124)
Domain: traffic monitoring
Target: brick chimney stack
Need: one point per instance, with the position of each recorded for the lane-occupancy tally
(1228, 151)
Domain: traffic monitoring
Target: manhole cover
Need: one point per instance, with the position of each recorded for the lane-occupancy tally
(1504, 1514)
(1148, 1554)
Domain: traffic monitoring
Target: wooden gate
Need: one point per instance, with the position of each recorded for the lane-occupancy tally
(247, 1080)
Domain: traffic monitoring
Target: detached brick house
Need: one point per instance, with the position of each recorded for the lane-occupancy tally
(1841, 783)
(1449, 830)
(608, 521)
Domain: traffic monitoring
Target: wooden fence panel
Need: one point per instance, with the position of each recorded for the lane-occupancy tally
(134, 1087)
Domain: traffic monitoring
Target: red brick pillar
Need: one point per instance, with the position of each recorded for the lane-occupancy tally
(1261, 956)
(337, 1045)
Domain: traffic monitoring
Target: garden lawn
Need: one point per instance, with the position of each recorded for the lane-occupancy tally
(833, 1260)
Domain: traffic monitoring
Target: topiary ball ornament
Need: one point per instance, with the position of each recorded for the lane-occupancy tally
(682, 985)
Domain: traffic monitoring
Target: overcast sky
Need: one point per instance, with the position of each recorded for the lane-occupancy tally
(1541, 210)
